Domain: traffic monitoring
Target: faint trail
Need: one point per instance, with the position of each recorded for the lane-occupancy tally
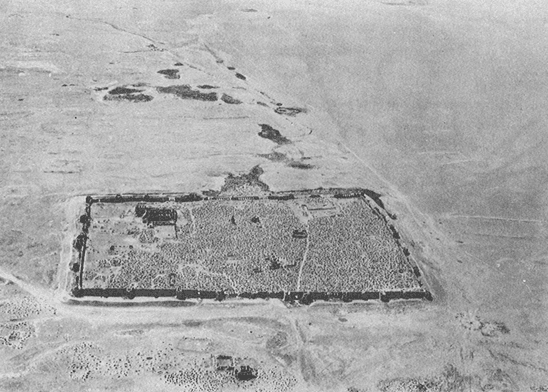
(192, 222)
(158, 44)
(370, 168)
(37, 292)
(218, 59)
(303, 261)
(440, 152)
(226, 118)
(496, 218)
(415, 213)
(460, 161)
(115, 27)
(516, 237)
(16, 375)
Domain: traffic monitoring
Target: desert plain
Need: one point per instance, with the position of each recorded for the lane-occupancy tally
(438, 106)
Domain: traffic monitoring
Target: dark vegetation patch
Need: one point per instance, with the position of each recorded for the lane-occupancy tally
(154, 48)
(233, 182)
(395, 234)
(376, 197)
(274, 156)
(497, 327)
(210, 193)
(249, 10)
(207, 86)
(185, 92)
(493, 328)
(228, 99)
(300, 165)
(231, 68)
(262, 103)
(170, 73)
(124, 90)
(99, 88)
(178, 64)
(129, 97)
(486, 328)
(272, 134)
(240, 76)
(289, 111)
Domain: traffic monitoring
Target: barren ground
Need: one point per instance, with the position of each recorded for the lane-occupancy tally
(437, 105)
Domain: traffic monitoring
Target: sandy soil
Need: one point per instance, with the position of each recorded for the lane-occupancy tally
(438, 105)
